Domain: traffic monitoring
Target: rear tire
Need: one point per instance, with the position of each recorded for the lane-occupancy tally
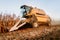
(35, 24)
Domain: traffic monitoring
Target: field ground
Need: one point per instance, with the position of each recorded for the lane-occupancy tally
(40, 33)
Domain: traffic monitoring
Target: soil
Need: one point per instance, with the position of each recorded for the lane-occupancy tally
(40, 33)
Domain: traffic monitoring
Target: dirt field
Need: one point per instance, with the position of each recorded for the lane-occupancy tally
(40, 33)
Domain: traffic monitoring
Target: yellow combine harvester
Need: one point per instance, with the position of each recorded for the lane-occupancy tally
(33, 16)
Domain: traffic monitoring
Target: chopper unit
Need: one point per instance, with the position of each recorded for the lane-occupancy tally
(33, 16)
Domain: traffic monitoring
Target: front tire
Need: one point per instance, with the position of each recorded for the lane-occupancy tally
(35, 24)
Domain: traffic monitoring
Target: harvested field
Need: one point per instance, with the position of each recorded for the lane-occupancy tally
(40, 33)
(28, 33)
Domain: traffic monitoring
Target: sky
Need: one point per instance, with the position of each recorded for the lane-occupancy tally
(51, 7)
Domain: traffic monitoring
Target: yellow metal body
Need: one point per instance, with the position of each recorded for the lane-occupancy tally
(40, 15)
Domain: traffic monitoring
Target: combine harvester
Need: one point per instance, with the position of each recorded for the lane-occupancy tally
(33, 16)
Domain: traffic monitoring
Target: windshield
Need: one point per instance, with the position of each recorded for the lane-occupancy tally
(25, 8)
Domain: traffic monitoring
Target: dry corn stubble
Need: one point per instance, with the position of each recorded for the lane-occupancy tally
(7, 21)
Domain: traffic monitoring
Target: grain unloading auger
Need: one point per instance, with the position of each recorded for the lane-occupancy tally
(33, 16)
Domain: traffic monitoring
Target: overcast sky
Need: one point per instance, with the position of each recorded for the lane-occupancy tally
(51, 7)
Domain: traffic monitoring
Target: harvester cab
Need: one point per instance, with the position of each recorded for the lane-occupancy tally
(26, 10)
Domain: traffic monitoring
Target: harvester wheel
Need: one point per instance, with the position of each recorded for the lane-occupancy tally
(50, 24)
(35, 24)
